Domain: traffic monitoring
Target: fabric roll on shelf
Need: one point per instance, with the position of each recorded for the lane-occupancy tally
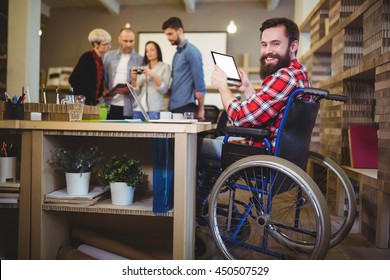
(71, 253)
(98, 253)
(102, 242)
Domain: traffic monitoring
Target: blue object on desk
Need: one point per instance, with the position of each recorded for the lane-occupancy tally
(163, 155)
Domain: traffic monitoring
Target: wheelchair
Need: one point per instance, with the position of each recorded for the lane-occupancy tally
(280, 201)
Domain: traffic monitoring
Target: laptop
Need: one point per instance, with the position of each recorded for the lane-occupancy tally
(146, 116)
(228, 65)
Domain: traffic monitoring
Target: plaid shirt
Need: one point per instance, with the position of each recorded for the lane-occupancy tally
(265, 107)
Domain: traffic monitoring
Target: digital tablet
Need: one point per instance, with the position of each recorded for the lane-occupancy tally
(111, 93)
(228, 65)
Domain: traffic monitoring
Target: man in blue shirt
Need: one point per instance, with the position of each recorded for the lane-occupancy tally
(187, 72)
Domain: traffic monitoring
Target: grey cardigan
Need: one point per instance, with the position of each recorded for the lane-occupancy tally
(152, 97)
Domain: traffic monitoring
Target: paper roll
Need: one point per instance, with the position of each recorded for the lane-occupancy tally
(70, 253)
(102, 242)
(99, 254)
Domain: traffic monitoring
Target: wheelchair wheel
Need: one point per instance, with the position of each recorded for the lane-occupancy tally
(284, 209)
(338, 192)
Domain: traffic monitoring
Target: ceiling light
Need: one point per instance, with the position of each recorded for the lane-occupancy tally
(232, 28)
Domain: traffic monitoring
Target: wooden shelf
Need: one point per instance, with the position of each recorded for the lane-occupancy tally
(142, 206)
(373, 190)
(305, 25)
(364, 71)
(9, 205)
(324, 45)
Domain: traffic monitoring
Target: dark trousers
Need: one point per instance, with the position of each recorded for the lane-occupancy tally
(186, 108)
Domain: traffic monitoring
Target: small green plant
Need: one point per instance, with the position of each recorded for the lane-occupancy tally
(75, 159)
(122, 169)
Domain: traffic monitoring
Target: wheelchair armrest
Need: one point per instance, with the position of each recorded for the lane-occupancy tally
(207, 133)
(248, 131)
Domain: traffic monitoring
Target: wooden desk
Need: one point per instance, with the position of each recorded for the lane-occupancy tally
(40, 135)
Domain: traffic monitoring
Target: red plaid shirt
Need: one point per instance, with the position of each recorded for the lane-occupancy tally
(265, 107)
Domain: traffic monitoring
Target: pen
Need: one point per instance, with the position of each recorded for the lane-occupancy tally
(58, 95)
(44, 93)
(4, 149)
(28, 94)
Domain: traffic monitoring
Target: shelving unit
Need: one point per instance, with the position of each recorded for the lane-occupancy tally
(361, 72)
(15, 217)
(47, 227)
(9, 216)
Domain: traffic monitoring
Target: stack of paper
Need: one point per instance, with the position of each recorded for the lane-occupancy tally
(96, 194)
(9, 192)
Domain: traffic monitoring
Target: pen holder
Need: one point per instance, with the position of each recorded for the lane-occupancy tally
(14, 111)
(7, 169)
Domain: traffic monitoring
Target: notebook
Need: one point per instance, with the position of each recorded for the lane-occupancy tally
(146, 116)
(228, 65)
(363, 146)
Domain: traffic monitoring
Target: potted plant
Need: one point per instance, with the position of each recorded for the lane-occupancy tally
(77, 163)
(123, 174)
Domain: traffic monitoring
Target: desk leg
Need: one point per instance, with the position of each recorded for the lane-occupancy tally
(25, 197)
(184, 196)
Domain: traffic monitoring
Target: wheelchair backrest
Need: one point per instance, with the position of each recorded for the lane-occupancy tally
(294, 134)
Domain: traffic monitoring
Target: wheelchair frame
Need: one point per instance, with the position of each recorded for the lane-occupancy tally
(308, 242)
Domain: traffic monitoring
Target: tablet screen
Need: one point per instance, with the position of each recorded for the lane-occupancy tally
(227, 64)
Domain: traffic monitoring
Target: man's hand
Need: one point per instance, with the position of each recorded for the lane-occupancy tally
(122, 90)
(246, 86)
(108, 98)
(218, 78)
(244, 80)
(200, 113)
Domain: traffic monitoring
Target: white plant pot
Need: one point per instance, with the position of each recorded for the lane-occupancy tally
(121, 193)
(77, 183)
(7, 168)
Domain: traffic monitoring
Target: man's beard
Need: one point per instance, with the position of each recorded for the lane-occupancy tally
(270, 69)
(176, 42)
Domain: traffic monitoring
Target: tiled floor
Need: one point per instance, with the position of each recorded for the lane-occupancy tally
(354, 247)
(357, 247)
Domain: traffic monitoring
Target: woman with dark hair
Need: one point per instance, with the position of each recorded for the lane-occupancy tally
(151, 82)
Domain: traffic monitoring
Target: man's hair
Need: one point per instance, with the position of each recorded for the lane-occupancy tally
(292, 30)
(127, 29)
(172, 22)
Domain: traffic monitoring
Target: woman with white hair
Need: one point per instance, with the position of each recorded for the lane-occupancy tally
(87, 77)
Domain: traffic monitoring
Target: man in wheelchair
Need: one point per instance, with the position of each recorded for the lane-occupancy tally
(281, 74)
(268, 206)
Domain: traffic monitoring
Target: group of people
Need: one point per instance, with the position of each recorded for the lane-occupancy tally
(279, 69)
(102, 70)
